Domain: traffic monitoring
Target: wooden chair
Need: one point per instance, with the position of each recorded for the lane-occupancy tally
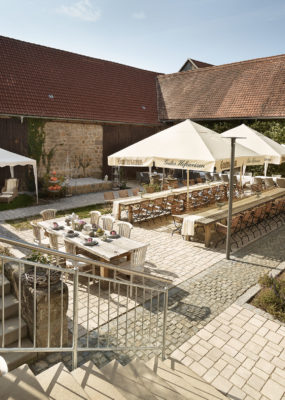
(94, 217)
(280, 182)
(235, 227)
(37, 235)
(108, 197)
(123, 193)
(124, 229)
(216, 177)
(136, 264)
(10, 190)
(135, 191)
(49, 213)
(177, 224)
(225, 178)
(269, 183)
(107, 222)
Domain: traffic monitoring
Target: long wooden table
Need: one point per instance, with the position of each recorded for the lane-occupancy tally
(130, 201)
(106, 251)
(212, 215)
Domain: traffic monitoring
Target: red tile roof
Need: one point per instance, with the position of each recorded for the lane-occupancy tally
(247, 89)
(45, 82)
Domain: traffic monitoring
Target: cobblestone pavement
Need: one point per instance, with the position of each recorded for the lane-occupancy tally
(193, 304)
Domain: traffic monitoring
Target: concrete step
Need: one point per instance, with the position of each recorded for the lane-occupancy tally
(6, 285)
(158, 386)
(21, 384)
(95, 384)
(14, 360)
(11, 330)
(10, 304)
(184, 380)
(59, 384)
(127, 385)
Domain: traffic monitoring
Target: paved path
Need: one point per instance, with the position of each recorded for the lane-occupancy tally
(65, 203)
(200, 310)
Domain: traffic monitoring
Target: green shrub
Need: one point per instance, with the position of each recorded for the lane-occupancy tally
(272, 296)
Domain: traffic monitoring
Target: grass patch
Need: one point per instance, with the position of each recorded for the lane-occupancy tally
(83, 212)
(23, 200)
(271, 298)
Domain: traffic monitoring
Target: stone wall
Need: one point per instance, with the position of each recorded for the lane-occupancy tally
(72, 143)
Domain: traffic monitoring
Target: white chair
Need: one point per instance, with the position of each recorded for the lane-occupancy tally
(136, 264)
(37, 235)
(107, 222)
(54, 244)
(48, 214)
(94, 217)
(70, 247)
(10, 190)
(124, 229)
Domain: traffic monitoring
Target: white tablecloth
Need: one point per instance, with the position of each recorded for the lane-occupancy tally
(188, 226)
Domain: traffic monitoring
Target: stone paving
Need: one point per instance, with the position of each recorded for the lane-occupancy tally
(206, 287)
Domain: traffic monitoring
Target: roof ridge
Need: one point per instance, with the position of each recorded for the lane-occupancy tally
(78, 54)
(214, 67)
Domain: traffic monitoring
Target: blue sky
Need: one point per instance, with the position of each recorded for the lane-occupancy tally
(158, 35)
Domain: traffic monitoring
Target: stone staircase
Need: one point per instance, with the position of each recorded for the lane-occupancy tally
(167, 380)
(11, 328)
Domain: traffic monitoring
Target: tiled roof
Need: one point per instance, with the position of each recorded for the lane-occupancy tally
(247, 89)
(201, 64)
(41, 81)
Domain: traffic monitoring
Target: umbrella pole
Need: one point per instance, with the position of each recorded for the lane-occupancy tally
(240, 177)
(228, 243)
(187, 203)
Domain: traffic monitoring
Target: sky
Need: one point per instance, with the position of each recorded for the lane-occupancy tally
(157, 35)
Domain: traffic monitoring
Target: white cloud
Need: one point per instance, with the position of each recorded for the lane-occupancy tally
(139, 15)
(83, 10)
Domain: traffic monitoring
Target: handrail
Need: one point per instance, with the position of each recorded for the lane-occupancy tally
(57, 253)
(148, 309)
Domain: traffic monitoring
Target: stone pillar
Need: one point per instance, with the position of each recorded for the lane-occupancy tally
(27, 295)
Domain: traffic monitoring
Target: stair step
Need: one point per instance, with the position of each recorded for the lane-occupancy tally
(95, 384)
(125, 383)
(6, 285)
(14, 360)
(59, 384)
(21, 384)
(10, 304)
(184, 380)
(12, 330)
(157, 385)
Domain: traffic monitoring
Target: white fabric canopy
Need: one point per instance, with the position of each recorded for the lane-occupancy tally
(274, 152)
(188, 146)
(7, 158)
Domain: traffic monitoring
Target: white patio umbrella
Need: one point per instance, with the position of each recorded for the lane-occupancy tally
(274, 152)
(188, 146)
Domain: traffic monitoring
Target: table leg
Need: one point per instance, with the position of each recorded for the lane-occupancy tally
(130, 214)
(208, 235)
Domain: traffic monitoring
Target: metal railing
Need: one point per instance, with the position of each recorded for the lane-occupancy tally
(103, 315)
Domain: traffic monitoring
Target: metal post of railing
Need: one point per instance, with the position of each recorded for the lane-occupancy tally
(75, 318)
(165, 307)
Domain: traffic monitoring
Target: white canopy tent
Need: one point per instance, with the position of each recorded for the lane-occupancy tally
(188, 146)
(274, 152)
(7, 158)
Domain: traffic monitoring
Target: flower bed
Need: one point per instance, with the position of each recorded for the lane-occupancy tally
(271, 298)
